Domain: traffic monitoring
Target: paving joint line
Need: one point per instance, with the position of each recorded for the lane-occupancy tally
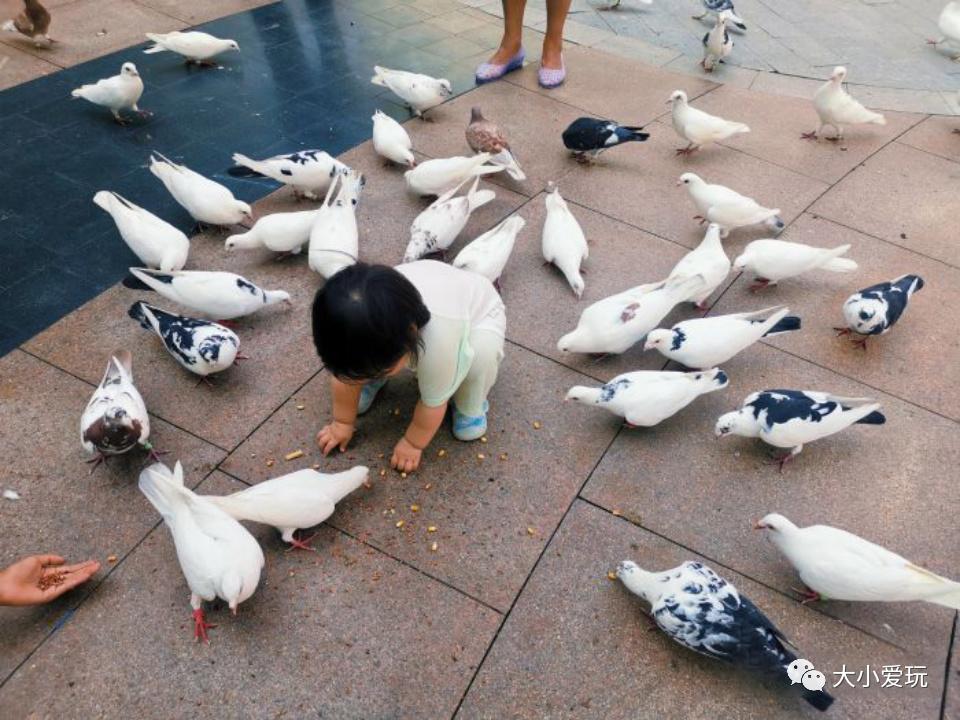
(946, 670)
(18, 50)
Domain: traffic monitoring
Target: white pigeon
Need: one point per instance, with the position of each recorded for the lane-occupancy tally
(218, 556)
(614, 324)
(115, 420)
(222, 295)
(434, 230)
(194, 45)
(648, 397)
(726, 207)
(836, 108)
(838, 565)
(435, 177)
(792, 418)
(334, 237)
(208, 202)
(301, 499)
(120, 92)
(707, 342)
(949, 25)
(488, 254)
(391, 141)
(283, 232)
(156, 242)
(774, 260)
(700, 128)
(201, 346)
(420, 92)
(562, 242)
(716, 7)
(717, 43)
(876, 309)
(308, 172)
(709, 261)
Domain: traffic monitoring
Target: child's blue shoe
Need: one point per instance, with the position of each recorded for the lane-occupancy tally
(368, 394)
(467, 428)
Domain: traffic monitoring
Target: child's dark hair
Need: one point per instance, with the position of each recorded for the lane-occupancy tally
(365, 318)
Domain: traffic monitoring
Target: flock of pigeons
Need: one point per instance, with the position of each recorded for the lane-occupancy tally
(690, 603)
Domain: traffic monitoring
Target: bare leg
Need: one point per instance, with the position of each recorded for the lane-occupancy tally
(512, 31)
(553, 41)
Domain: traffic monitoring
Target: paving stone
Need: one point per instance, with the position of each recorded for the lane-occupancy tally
(194, 12)
(885, 483)
(456, 22)
(935, 135)
(918, 191)
(346, 633)
(909, 360)
(19, 66)
(482, 508)
(580, 646)
(63, 508)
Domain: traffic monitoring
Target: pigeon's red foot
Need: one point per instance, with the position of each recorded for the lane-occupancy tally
(302, 544)
(238, 357)
(860, 343)
(153, 455)
(841, 331)
(702, 305)
(96, 460)
(812, 135)
(759, 284)
(781, 461)
(200, 626)
(808, 595)
(689, 150)
(205, 380)
(931, 41)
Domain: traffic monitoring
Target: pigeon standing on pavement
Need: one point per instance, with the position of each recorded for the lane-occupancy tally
(197, 47)
(707, 260)
(721, 6)
(434, 230)
(284, 232)
(420, 92)
(726, 207)
(717, 43)
(702, 611)
(700, 128)
(301, 499)
(34, 22)
(836, 108)
(486, 136)
(120, 92)
(792, 418)
(838, 565)
(156, 242)
(308, 172)
(435, 177)
(707, 342)
(488, 254)
(616, 323)
(218, 556)
(587, 137)
(208, 202)
(949, 25)
(876, 309)
(391, 141)
(115, 420)
(648, 397)
(334, 237)
(774, 260)
(200, 346)
(563, 243)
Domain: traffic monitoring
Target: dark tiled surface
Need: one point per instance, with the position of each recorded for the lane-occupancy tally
(302, 79)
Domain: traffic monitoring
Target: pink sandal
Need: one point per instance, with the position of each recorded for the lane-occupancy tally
(488, 72)
(552, 77)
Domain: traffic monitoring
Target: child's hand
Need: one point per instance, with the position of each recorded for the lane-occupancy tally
(41, 578)
(333, 435)
(406, 457)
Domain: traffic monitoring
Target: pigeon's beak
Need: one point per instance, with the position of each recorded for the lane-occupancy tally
(678, 183)
(759, 526)
(288, 302)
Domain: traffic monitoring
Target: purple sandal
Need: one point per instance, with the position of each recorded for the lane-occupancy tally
(488, 72)
(552, 77)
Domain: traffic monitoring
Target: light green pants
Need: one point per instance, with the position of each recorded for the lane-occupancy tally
(471, 396)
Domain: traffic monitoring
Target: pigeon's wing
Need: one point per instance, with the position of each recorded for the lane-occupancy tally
(844, 109)
(109, 91)
(280, 503)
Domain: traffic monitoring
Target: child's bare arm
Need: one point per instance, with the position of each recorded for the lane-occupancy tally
(340, 431)
(426, 421)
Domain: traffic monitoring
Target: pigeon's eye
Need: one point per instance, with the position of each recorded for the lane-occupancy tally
(864, 315)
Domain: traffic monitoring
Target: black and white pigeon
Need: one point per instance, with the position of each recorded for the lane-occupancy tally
(201, 346)
(876, 309)
(587, 137)
(717, 43)
(221, 295)
(705, 613)
(718, 6)
(702, 343)
(308, 172)
(115, 420)
(792, 418)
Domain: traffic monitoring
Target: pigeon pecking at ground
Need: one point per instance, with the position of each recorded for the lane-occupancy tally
(838, 565)
(308, 172)
(283, 232)
(207, 201)
(34, 22)
(705, 613)
(218, 556)
(792, 418)
(156, 242)
(707, 342)
(876, 309)
(717, 43)
(562, 241)
(836, 108)
(116, 93)
(197, 47)
(700, 128)
(434, 230)
(391, 141)
(334, 237)
(648, 397)
(774, 260)
(486, 136)
(487, 255)
(435, 177)
(301, 499)
(420, 92)
(726, 207)
(587, 137)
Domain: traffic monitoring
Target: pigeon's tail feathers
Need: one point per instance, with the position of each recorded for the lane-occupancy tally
(874, 418)
(738, 128)
(630, 133)
(342, 484)
(134, 283)
(786, 324)
(736, 20)
(143, 314)
(950, 600)
(154, 49)
(158, 46)
(76, 93)
(820, 699)
(124, 359)
(487, 170)
(835, 263)
(876, 119)
(163, 490)
(245, 167)
(909, 283)
(478, 198)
